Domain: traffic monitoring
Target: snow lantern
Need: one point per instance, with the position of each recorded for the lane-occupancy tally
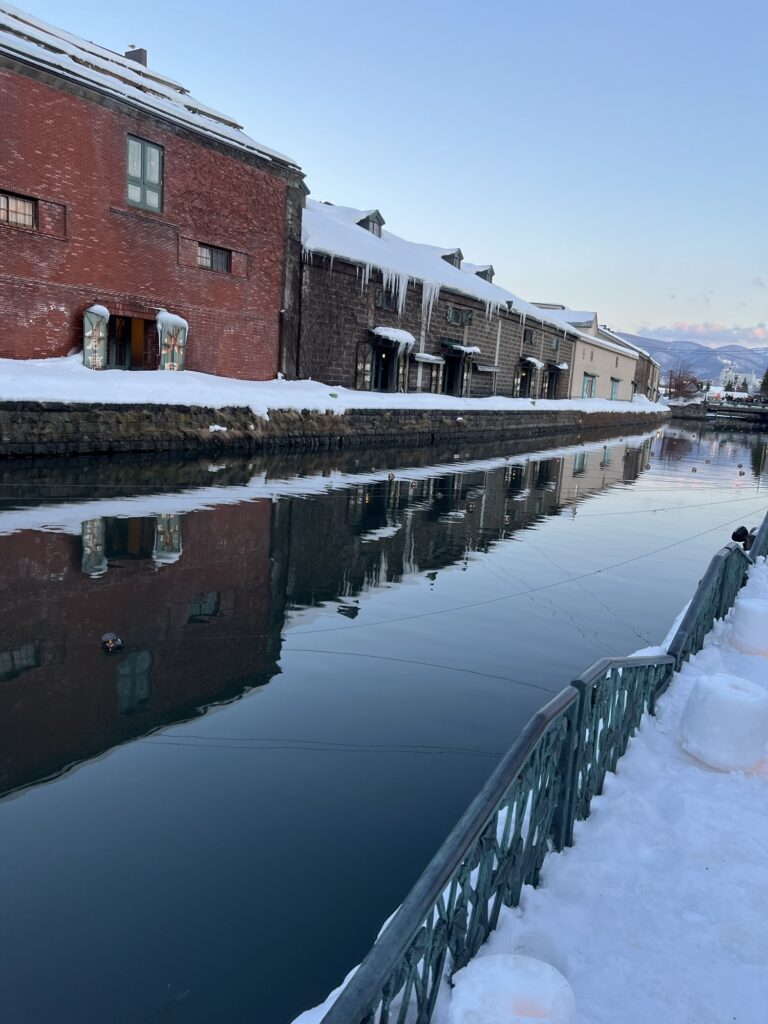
(172, 333)
(725, 722)
(748, 632)
(95, 321)
(508, 989)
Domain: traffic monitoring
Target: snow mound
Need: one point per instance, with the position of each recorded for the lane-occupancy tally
(725, 722)
(748, 632)
(509, 989)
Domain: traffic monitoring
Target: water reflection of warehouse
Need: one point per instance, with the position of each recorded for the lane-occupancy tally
(201, 599)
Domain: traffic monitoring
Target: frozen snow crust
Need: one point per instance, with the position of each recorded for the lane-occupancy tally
(67, 380)
(659, 911)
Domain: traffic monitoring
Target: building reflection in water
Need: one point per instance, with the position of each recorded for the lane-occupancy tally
(201, 600)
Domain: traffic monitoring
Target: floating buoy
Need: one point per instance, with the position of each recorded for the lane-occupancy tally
(111, 643)
(693, 469)
(740, 465)
(741, 472)
(708, 461)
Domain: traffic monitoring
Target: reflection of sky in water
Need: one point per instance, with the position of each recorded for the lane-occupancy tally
(235, 866)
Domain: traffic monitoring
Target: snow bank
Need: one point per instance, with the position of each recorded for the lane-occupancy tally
(508, 989)
(725, 722)
(67, 380)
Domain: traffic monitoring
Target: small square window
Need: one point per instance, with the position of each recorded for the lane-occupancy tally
(17, 210)
(145, 174)
(386, 299)
(528, 337)
(209, 257)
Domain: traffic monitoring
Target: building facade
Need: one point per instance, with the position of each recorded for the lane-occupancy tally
(136, 222)
(380, 313)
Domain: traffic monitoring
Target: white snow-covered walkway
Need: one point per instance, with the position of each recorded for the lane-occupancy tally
(67, 380)
(658, 914)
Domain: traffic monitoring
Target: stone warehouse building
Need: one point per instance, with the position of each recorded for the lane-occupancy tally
(134, 220)
(381, 313)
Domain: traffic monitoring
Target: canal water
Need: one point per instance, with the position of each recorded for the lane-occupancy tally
(324, 657)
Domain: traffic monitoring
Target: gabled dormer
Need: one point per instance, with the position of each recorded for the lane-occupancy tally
(373, 222)
(454, 257)
(485, 272)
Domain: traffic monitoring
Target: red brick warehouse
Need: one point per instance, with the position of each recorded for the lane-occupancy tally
(123, 196)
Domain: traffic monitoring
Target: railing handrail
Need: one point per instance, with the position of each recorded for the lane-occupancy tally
(357, 1001)
(366, 984)
(707, 586)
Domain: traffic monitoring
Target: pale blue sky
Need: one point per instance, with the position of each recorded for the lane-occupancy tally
(604, 154)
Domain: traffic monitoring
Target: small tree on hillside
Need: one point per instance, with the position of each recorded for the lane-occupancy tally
(680, 379)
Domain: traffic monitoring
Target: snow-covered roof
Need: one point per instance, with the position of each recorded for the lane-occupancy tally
(335, 231)
(574, 317)
(456, 346)
(614, 336)
(31, 41)
(476, 268)
(427, 357)
(402, 338)
(536, 362)
(562, 366)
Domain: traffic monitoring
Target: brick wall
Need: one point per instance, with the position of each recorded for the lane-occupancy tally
(66, 148)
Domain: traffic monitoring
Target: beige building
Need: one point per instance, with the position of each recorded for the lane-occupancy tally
(604, 366)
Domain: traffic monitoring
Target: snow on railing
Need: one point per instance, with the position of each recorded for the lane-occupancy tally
(528, 806)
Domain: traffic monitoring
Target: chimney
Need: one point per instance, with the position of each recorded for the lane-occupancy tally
(140, 56)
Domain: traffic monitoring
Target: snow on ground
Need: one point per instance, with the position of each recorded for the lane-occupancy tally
(659, 911)
(67, 380)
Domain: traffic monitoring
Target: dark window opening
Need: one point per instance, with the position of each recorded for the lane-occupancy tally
(456, 315)
(205, 607)
(386, 299)
(129, 539)
(209, 257)
(18, 660)
(453, 375)
(383, 369)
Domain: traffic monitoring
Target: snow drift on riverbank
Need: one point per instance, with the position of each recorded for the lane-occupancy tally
(659, 912)
(67, 380)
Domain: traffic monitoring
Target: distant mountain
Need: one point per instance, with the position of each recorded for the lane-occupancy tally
(706, 363)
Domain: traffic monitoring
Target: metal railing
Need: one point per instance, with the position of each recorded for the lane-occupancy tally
(527, 807)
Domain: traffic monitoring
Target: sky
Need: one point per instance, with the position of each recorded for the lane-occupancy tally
(605, 155)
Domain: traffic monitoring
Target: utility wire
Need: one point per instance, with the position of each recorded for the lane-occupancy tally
(522, 593)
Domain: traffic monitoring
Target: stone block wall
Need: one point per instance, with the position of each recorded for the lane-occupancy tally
(30, 429)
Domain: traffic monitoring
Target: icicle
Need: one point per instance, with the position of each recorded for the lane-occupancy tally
(429, 294)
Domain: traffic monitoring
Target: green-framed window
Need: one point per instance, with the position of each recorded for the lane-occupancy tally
(589, 386)
(145, 174)
(614, 388)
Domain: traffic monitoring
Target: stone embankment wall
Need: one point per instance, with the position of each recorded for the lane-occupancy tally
(51, 429)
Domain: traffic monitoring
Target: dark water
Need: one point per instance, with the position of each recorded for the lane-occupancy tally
(212, 825)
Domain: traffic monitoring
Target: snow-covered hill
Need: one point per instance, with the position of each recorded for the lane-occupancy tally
(706, 363)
